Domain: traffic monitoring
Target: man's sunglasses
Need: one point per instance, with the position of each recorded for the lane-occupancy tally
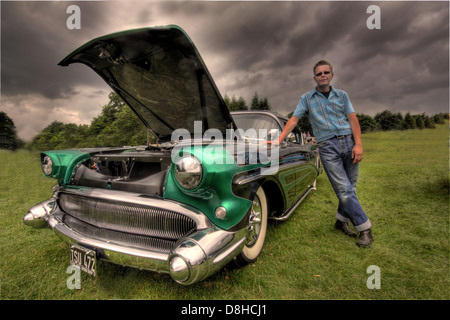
(318, 74)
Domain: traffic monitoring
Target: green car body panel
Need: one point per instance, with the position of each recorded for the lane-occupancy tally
(64, 163)
(219, 169)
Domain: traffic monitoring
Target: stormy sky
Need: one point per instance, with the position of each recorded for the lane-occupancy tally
(268, 47)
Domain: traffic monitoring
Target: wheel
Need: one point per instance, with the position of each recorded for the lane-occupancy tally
(256, 231)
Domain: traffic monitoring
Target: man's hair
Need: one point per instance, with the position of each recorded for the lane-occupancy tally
(322, 63)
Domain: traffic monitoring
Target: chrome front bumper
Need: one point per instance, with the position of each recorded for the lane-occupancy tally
(193, 257)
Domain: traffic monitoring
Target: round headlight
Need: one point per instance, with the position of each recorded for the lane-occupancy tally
(188, 172)
(47, 165)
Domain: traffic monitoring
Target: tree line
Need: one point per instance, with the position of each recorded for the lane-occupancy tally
(388, 120)
(237, 104)
(118, 125)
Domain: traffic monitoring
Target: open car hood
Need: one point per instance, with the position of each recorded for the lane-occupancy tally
(159, 73)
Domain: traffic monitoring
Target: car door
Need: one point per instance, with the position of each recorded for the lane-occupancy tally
(300, 158)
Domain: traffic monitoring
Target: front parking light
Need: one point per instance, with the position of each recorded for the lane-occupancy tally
(221, 212)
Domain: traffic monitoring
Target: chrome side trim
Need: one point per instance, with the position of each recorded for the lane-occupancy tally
(289, 212)
(244, 179)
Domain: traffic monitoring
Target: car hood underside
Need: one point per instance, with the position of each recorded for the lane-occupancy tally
(159, 73)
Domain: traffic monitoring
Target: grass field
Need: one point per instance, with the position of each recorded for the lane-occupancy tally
(404, 188)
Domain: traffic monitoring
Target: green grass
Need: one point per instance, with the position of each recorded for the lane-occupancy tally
(404, 188)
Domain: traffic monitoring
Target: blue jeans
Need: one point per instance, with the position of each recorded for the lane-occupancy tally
(336, 157)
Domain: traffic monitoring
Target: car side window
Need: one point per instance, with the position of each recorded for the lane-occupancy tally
(256, 124)
(295, 136)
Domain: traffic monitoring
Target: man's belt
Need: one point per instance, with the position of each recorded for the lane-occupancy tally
(341, 137)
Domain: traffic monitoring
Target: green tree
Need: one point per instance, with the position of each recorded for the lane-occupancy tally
(439, 118)
(398, 120)
(108, 115)
(116, 125)
(409, 122)
(419, 122)
(49, 137)
(8, 135)
(258, 104)
(72, 135)
(126, 129)
(234, 104)
(367, 123)
(59, 135)
(428, 121)
(255, 102)
(389, 121)
(265, 105)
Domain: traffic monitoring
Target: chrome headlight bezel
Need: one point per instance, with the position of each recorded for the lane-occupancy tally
(47, 165)
(188, 172)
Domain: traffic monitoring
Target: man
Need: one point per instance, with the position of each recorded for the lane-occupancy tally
(338, 135)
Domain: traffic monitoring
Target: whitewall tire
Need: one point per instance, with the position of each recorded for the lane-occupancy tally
(256, 230)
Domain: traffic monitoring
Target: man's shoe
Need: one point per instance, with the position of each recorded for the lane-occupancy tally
(343, 226)
(365, 238)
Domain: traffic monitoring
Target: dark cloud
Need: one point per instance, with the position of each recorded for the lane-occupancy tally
(34, 39)
(267, 47)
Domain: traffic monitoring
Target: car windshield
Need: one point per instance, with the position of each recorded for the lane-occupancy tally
(256, 125)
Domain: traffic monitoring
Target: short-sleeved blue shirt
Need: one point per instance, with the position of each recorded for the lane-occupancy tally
(328, 116)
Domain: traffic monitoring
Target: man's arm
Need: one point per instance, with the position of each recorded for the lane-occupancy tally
(290, 125)
(357, 152)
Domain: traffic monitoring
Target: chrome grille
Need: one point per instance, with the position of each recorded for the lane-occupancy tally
(127, 217)
(121, 238)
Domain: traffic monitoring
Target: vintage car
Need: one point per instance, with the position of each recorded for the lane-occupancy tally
(194, 200)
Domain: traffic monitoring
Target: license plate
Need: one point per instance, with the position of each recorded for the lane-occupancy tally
(83, 258)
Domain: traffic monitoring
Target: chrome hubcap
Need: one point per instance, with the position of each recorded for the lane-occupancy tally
(254, 226)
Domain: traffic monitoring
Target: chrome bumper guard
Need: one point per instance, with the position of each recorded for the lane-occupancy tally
(193, 258)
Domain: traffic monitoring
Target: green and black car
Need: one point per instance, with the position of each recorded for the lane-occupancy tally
(198, 198)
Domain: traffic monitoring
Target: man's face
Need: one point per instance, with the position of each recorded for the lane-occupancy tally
(323, 76)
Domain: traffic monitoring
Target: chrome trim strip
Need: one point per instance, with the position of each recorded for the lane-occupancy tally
(288, 213)
(247, 179)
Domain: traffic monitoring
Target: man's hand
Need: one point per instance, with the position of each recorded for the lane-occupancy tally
(357, 153)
